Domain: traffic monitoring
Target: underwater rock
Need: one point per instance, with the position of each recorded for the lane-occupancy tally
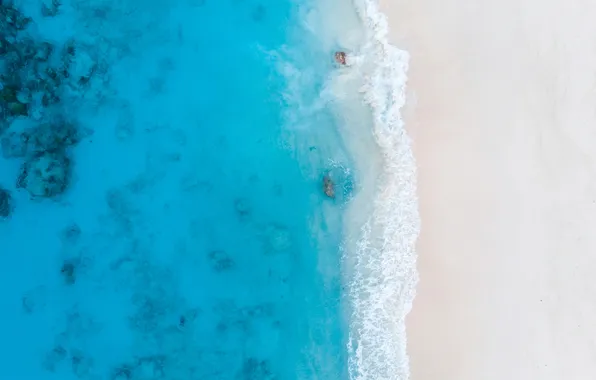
(17, 109)
(5, 203)
(3, 122)
(254, 369)
(123, 372)
(26, 49)
(145, 368)
(187, 318)
(11, 19)
(71, 233)
(78, 63)
(13, 101)
(69, 52)
(45, 175)
(68, 271)
(51, 75)
(182, 323)
(81, 364)
(49, 98)
(13, 108)
(8, 93)
(54, 137)
(156, 85)
(5, 45)
(14, 144)
(220, 261)
(24, 95)
(242, 207)
(119, 203)
(258, 14)
(44, 51)
(50, 8)
(54, 357)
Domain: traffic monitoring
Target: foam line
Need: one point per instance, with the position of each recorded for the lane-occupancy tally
(383, 277)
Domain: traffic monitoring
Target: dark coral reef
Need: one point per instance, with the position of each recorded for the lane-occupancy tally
(34, 76)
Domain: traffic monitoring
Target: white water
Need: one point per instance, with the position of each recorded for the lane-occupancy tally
(381, 223)
(380, 257)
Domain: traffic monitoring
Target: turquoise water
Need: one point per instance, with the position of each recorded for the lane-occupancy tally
(161, 219)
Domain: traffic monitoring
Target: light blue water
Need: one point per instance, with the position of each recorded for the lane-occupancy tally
(188, 240)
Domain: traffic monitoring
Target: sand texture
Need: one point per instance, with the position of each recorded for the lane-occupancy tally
(502, 110)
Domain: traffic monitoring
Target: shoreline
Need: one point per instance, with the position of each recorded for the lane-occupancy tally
(383, 223)
(500, 109)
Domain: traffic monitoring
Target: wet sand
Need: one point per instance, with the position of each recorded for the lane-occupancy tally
(502, 111)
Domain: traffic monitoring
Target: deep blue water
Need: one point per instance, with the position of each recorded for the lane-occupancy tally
(182, 234)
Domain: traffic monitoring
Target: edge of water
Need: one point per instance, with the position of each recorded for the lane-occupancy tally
(383, 270)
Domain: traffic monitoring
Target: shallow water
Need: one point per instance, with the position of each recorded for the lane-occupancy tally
(192, 239)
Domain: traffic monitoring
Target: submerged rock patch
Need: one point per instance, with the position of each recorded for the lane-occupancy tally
(68, 271)
(5, 203)
(71, 233)
(50, 8)
(242, 207)
(220, 261)
(33, 77)
(45, 175)
(255, 369)
(81, 365)
(54, 357)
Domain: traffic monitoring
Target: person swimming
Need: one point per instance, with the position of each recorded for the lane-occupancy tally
(340, 57)
(328, 186)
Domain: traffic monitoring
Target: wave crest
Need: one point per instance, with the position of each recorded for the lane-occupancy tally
(383, 266)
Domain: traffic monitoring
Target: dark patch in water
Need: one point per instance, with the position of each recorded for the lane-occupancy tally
(81, 364)
(6, 206)
(45, 175)
(54, 357)
(68, 271)
(123, 372)
(156, 85)
(258, 13)
(254, 369)
(242, 207)
(71, 233)
(50, 8)
(220, 261)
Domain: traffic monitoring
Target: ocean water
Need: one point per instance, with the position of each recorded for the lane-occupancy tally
(162, 213)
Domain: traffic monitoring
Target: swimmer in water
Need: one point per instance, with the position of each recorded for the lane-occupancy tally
(340, 57)
(328, 186)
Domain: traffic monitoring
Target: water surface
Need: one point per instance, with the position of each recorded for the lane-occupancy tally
(164, 221)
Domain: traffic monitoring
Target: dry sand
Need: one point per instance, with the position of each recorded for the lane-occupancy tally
(502, 110)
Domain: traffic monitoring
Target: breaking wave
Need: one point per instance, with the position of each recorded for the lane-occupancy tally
(383, 261)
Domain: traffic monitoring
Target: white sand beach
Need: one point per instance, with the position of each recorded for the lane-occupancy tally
(502, 111)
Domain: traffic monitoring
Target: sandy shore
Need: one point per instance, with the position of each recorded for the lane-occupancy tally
(502, 110)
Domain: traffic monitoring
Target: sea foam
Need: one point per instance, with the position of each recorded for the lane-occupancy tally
(383, 277)
(382, 222)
